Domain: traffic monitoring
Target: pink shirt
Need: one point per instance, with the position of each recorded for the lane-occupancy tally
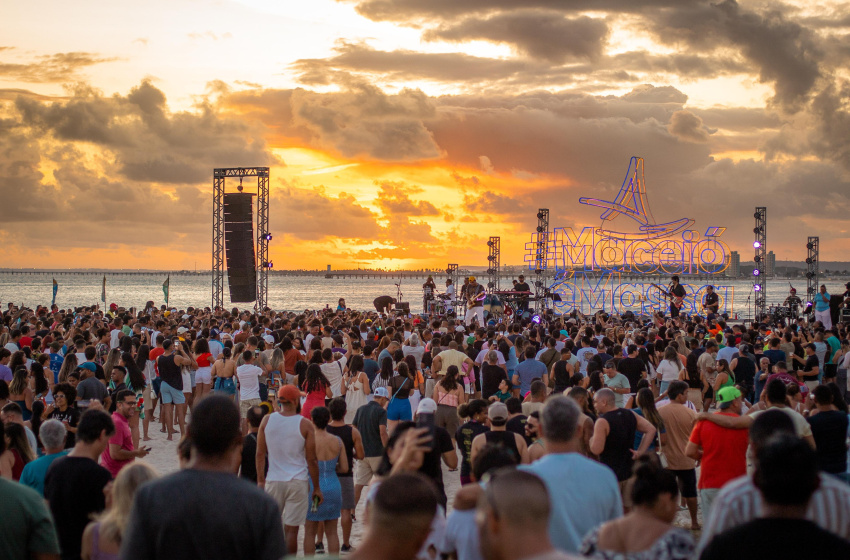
(122, 438)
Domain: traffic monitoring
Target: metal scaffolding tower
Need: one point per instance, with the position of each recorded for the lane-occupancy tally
(541, 261)
(812, 269)
(263, 236)
(494, 245)
(759, 272)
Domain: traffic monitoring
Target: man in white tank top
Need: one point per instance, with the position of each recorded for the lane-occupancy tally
(289, 440)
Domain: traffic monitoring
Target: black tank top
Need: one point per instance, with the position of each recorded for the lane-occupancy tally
(561, 377)
(169, 371)
(344, 433)
(618, 445)
(506, 439)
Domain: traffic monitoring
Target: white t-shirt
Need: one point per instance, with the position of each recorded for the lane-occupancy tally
(333, 371)
(113, 338)
(584, 355)
(249, 381)
(216, 348)
(668, 370)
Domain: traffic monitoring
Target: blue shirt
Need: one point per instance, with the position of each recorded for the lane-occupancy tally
(371, 368)
(527, 371)
(35, 471)
(820, 304)
(583, 495)
(5, 373)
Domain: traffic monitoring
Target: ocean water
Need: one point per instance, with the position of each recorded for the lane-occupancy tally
(291, 293)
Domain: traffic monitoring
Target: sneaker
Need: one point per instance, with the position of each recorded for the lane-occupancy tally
(346, 548)
(320, 548)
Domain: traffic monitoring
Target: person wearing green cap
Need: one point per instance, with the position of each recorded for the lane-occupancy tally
(721, 451)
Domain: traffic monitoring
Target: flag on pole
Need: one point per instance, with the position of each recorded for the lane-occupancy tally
(103, 291)
(165, 286)
(55, 290)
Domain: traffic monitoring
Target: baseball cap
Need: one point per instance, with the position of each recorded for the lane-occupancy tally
(289, 393)
(472, 278)
(113, 306)
(182, 330)
(565, 333)
(726, 395)
(497, 411)
(427, 406)
(382, 392)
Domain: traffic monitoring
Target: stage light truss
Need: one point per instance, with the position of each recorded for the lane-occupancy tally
(812, 268)
(540, 259)
(263, 235)
(493, 255)
(760, 258)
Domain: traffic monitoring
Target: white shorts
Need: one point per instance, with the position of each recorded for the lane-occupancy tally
(203, 375)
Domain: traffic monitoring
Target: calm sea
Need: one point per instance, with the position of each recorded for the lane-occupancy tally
(294, 293)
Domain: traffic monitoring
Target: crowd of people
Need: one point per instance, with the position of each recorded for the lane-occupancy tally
(610, 437)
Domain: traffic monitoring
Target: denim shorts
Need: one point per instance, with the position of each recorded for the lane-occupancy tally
(225, 385)
(399, 409)
(171, 395)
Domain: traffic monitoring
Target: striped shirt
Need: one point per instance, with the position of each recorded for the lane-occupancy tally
(740, 501)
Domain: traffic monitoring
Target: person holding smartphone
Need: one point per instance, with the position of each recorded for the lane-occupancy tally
(120, 450)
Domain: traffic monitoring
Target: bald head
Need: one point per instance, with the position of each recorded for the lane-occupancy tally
(604, 397)
(519, 498)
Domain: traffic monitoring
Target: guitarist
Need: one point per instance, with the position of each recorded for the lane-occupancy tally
(711, 304)
(677, 293)
(475, 302)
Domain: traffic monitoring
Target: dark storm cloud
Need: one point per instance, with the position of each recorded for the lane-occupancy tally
(831, 109)
(540, 34)
(58, 67)
(785, 52)
(405, 65)
(150, 142)
(430, 10)
(360, 121)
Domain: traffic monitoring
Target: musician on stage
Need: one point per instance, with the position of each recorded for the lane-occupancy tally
(711, 303)
(474, 298)
(793, 301)
(522, 286)
(674, 291)
(463, 289)
(450, 296)
(384, 304)
(429, 288)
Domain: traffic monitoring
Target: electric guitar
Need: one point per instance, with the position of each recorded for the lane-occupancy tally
(678, 302)
(472, 299)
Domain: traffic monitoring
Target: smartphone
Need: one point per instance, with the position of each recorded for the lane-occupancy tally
(426, 420)
(314, 507)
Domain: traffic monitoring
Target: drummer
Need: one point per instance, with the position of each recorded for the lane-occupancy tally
(793, 302)
(522, 286)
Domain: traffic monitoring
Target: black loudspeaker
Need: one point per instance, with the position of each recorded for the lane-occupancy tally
(402, 307)
(239, 247)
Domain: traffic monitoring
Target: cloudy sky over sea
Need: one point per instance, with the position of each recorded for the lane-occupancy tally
(402, 133)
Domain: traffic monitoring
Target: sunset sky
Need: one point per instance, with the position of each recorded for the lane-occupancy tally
(403, 133)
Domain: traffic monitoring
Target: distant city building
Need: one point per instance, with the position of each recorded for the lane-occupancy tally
(734, 269)
(770, 269)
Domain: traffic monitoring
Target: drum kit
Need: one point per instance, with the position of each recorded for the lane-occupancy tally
(438, 304)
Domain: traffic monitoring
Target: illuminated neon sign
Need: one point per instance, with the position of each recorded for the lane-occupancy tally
(588, 264)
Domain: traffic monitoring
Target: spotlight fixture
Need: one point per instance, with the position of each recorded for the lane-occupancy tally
(539, 229)
(268, 264)
(810, 246)
(489, 243)
(267, 237)
(757, 287)
(756, 244)
(536, 319)
(757, 258)
(757, 215)
(540, 215)
(756, 272)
